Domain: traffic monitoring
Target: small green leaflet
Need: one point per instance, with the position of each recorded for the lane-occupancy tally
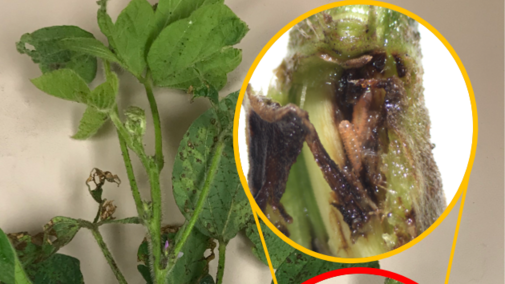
(277, 248)
(169, 11)
(65, 84)
(130, 34)
(57, 269)
(392, 281)
(299, 267)
(196, 51)
(11, 270)
(105, 22)
(91, 121)
(103, 97)
(226, 209)
(44, 48)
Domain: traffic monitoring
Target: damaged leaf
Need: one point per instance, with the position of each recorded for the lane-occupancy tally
(44, 48)
(206, 159)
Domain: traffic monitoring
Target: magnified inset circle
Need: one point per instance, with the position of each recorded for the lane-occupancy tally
(356, 132)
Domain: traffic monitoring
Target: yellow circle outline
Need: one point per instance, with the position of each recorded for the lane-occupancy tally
(462, 187)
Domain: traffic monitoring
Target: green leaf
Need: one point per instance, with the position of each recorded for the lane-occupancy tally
(105, 22)
(197, 50)
(131, 32)
(91, 121)
(44, 48)
(11, 270)
(89, 46)
(145, 272)
(277, 248)
(208, 144)
(169, 11)
(57, 269)
(299, 267)
(192, 266)
(207, 280)
(103, 97)
(208, 92)
(65, 84)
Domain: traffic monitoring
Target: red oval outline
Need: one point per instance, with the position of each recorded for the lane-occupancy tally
(360, 270)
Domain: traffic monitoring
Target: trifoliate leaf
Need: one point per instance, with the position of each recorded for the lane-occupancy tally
(91, 121)
(11, 270)
(57, 269)
(197, 50)
(277, 248)
(206, 160)
(44, 48)
(89, 46)
(65, 84)
(299, 267)
(131, 32)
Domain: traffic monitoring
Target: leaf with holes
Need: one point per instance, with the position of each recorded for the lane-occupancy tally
(44, 48)
(206, 162)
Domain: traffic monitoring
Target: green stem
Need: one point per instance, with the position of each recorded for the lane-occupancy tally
(108, 256)
(201, 199)
(156, 121)
(97, 217)
(154, 226)
(130, 220)
(131, 174)
(152, 220)
(220, 267)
